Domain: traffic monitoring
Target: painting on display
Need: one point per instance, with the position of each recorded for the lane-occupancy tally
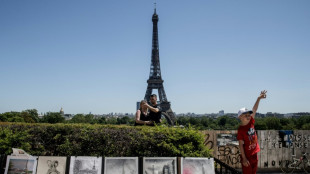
(51, 165)
(21, 164)
(197, 165)
(227, 139)
(159, 165)
(121, 165)
(85, 165)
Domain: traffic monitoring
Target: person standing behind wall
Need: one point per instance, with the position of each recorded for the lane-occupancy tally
(247, 137)
(142, 116)
(155, 111)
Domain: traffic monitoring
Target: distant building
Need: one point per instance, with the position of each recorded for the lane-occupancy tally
(300, 114)
(259, 115)
(221, 112)
(138, 106)
(62, 113)
(274, 114)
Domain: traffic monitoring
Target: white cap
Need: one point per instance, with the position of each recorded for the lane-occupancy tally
(244, 110)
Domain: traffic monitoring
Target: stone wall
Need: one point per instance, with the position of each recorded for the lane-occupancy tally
(276, 146)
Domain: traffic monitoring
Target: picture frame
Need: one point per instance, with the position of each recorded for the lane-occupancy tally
(21, 164)
(52, 164)
(190, 165)
(121, 165)
(159, 165)
(85, 164)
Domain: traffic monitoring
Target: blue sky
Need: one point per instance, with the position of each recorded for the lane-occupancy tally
(94, 56)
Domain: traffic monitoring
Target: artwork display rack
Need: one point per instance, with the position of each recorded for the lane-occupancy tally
(220, 167)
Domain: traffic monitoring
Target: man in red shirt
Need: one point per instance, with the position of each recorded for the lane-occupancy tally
(247, 137)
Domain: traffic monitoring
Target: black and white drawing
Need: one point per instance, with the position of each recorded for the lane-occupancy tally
(159, 165)
(121, 165)
(51, 165)
(197, 166)
(85, 165)
(227, 139)
(21, 164)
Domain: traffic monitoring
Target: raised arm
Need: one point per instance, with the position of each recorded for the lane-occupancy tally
(151, 108)
(255, 107)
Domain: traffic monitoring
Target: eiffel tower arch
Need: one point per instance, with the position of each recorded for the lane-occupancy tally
(155, 80)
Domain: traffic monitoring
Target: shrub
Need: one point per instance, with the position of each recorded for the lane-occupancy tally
(101, 140)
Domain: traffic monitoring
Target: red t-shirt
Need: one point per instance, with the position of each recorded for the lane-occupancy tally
(248, 135)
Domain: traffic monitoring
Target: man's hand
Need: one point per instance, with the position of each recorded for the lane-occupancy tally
(262, 94)
(146, 105)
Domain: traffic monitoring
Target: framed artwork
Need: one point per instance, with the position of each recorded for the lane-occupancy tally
(197, 165)
(159, 165)
(121, 165)
(85, 165)
(21, 164)
(51, 165)
(227, 139)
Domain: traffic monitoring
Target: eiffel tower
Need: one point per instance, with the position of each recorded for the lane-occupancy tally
(155, 80)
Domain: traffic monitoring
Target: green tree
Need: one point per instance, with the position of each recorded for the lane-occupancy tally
(27, 117)
(89, 118)
(78, 118)
(222, 121)
(123, 120)
(112, 120)
(182, 120)
(53, 117)
(205, 122)
(302, 120)
(34, 114)
(102, 120)
(260, 124)
(273, 123)
(306, 126)
(16, 119)
(3, 117)
(11, 117)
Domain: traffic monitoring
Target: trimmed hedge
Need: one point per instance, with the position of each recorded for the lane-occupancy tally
(101, 140)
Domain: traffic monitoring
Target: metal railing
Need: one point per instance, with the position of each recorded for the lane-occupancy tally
(221, 167)
(2, 162)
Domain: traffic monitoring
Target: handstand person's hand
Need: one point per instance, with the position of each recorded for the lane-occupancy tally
(262, 94)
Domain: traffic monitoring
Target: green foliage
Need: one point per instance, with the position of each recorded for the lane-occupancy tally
(12, 138)
(306, 126)
(200, 123)
(273, 123)
(302, 120)
(28, 116)
(53, 117)
(78, 118)
(102, 140)
(232, 123)
(260, 124)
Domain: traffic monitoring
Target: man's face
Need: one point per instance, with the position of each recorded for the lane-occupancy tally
(153, 100)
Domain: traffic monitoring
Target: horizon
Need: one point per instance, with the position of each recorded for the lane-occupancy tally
(95, 56)
(133, 113)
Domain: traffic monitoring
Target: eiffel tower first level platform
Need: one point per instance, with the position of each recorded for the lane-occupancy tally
(155, 80)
